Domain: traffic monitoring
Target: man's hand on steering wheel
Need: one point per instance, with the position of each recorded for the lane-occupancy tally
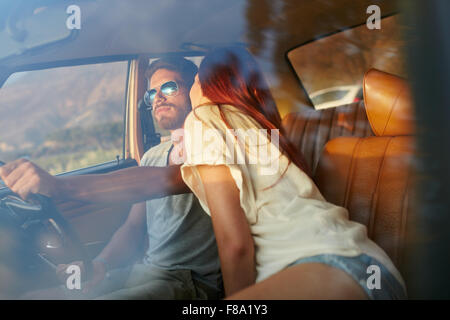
(29, 182)
(25, 178)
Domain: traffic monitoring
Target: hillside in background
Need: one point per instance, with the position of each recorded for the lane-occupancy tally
(63, 114)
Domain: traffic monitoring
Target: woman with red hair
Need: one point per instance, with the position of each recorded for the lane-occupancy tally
(278, 238)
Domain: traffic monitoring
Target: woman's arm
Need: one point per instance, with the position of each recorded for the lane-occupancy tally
(233, 235)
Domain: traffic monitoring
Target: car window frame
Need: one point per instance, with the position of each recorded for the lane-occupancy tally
(108, 166)
(325, 35)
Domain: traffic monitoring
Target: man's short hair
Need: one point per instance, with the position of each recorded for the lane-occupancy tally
(186, 68)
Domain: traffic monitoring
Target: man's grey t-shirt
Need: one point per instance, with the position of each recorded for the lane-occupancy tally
(180, 232)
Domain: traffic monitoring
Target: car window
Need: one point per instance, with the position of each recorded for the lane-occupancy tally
(64, 118)
(341, 59)
(329, 96)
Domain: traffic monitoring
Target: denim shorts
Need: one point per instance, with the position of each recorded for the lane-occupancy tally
(387, 288)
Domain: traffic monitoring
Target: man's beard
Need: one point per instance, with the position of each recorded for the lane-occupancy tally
(172, 123)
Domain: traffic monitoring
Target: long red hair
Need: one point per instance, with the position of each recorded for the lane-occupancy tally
(231, 76)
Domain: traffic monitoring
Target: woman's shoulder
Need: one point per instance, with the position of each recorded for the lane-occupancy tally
(205, 111)
(216, 115)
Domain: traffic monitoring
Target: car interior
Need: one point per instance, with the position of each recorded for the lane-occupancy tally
(361, 154)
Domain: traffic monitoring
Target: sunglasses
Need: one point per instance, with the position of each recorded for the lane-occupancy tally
(169, 89)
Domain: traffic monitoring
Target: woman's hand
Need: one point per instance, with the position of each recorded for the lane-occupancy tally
(233, 235)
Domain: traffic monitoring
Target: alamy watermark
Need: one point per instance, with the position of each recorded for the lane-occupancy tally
(233, 146)
(73, 281)
(374, 280)
(74, 19)
(374, 20)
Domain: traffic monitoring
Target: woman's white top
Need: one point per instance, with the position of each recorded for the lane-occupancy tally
(288, 216)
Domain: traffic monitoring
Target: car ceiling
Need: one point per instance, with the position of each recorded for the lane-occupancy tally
(269, 28)
(113, 27)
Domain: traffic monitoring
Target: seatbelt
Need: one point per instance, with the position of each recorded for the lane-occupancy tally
(150, 137)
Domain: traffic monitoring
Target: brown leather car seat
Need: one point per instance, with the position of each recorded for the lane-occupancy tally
(371, 176)
(309, 130)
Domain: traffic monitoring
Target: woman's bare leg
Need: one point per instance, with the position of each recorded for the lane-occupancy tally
(305, 281)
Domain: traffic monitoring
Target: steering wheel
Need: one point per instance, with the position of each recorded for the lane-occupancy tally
(40, 212)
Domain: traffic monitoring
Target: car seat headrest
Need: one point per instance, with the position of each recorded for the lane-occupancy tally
(388, 104)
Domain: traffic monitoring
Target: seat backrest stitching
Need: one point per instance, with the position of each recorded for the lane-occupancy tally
(404, 217)
(374, 198)
(318, 146)
(350, 173)
(371, 223)
(391, 111)
(369, 115)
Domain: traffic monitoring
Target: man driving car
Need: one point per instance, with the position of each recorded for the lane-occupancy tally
(182, 260)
